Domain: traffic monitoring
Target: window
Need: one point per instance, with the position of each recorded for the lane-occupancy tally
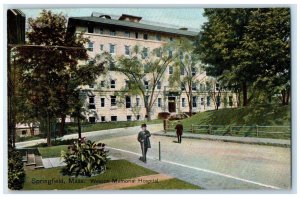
(127, 34)
(91, 86)
(217, 86)
(101, 31)
(202, 87)
(170, 54)
(111, 65)
(113, 101)
(102, 118)
(101, 47)
(230, 101)
(202, 101)
(90, 46)
(112, 32)
(127, 50)
(147, 98)
(158, 85)
(129, 118)
(23, 132)
(158, 37)
(114, 118)
(102, 83)
(128, 101)
(182, 70)
(92, 106)
(171, 39)
(183, 102)
(96, 30)
(90, 29)
(138, 117)
(145, 36)
(159, 102)
(182, 86)
(92, 119)
(158, 52)
(112, 49)
(136, 35)
(194, 101)
(181, 55)
(146, 68)
(218, 101)
(171, 70)
(102, 100)
(92, 100)
(127, 84)
(194, 87)
(138, 101)
(193, 71)
(146, 83)
(208, 101)
(145, 53)
(112, 84)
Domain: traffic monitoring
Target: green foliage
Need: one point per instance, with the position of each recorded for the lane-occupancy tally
(139, 68)
(247, 48)
(16, 173)
(50, 70)
(85, 159)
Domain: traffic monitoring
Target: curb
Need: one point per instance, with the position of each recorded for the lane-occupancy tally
(285, 145)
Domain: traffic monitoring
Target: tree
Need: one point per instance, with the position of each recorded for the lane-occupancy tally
(145, 70)
(247, 48)
(189, 70)
(51, 74)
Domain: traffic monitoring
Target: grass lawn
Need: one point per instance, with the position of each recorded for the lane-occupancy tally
(72, 128)
(263, 115)
(53, 151)
(117, 169)
(170, 184)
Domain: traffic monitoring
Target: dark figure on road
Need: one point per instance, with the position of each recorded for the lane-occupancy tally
(179, 131)
(143, 138)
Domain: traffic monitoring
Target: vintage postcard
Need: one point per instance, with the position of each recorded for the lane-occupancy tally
(165, 98)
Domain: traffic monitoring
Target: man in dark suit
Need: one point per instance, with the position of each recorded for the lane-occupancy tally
(179, 131)
(144, 139)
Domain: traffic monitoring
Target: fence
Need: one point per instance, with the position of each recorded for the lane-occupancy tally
(244, 131)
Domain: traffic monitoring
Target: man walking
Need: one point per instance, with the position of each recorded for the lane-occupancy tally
(143, 138)
(179, 131)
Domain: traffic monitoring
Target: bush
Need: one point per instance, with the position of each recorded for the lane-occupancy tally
(16, 173)
(85, 159)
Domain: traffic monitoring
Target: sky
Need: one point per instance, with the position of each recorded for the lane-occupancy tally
(176, 17)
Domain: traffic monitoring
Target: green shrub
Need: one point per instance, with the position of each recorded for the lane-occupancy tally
(85, 159)
(16, 173)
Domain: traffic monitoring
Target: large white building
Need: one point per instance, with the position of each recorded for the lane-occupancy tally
(117, 36)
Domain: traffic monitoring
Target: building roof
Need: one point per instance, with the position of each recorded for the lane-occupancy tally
(132, 25)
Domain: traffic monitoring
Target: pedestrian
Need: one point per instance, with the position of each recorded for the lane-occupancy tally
(144, 139)
(179, 131)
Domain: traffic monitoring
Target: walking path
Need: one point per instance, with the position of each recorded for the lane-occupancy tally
(246, 140)
(132, 182)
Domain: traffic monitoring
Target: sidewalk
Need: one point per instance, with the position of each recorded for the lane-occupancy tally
(245, 140)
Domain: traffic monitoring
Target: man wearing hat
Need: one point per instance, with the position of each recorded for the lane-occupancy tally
(143, 138)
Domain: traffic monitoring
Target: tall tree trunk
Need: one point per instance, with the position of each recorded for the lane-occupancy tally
(283, 95)
(190, 100)
(287, 96)
(62, 125)
(148, 112)
(245, 97)
(48, 130)
(79, 126)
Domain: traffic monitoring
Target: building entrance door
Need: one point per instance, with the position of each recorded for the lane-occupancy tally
(172, 104)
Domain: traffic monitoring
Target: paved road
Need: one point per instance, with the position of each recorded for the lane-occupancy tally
(267, 166)
(210, 164)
